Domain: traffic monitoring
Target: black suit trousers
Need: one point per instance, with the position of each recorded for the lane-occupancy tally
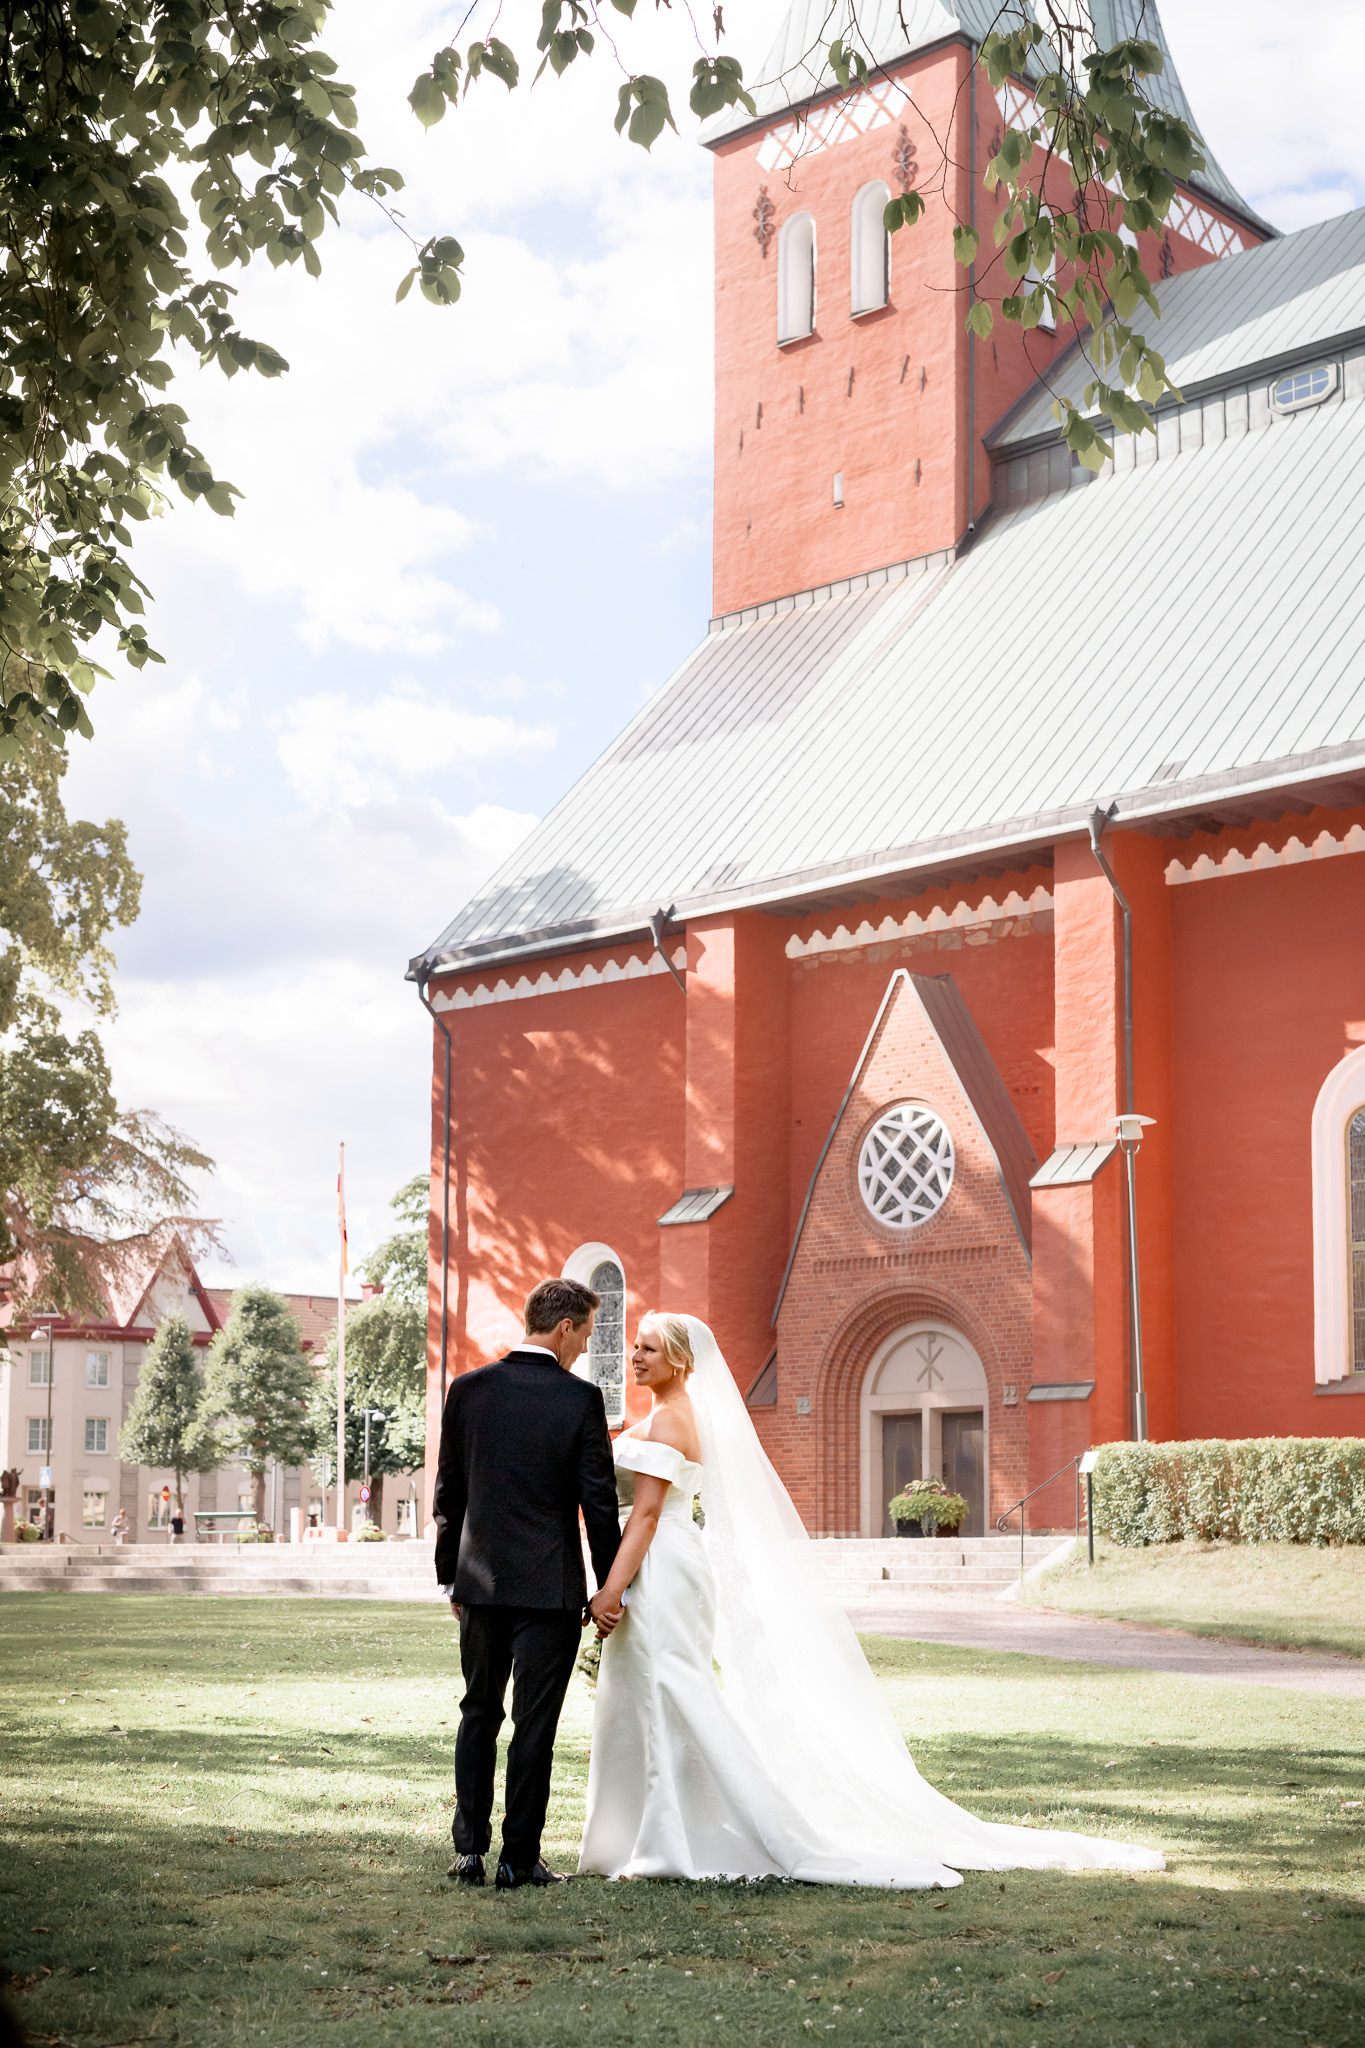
(536, 1648)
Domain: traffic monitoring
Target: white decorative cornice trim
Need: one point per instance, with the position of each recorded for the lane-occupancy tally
(962, 917)
(1234, 862)
(635, 967)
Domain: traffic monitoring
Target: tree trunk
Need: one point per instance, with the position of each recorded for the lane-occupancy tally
(375, 1510)
(258, 1494)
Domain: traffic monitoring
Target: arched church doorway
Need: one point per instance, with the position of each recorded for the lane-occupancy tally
(923, 1408)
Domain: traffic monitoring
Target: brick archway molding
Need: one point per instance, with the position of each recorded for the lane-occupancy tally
(838, 1456)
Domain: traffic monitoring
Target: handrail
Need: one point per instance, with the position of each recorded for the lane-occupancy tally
(1023, 1502)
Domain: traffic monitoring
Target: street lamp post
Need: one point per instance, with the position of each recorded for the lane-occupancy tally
(1130, 1129)
(371, 1415)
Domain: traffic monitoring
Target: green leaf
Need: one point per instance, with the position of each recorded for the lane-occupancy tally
(980, 319)
(499, 59)
(717, 83)
(902, 211)
(966, 244)
(427, 100)
(405, 287)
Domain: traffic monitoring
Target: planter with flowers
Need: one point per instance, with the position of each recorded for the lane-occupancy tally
(925, 1507)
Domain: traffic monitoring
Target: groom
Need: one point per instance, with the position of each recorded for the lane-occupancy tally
(524, 1445)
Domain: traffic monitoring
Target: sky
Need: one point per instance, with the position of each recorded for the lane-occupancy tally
(471, 542)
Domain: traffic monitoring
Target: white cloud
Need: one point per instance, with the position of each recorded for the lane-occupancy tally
(335, 751)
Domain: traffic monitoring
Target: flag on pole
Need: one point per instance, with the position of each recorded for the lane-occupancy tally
(341, 1339)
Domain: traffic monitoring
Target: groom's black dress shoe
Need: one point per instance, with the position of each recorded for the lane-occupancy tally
(510, 1880)
(467, 1870)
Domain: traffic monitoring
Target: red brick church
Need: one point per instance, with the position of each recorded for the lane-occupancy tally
(807, 1010)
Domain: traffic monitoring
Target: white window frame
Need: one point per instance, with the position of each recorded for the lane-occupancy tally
(97, 1364)
(39, 1368)
(1341, 1095)
(97, 1436)
(581, 1265)
(869, 263)
(796, 256)
(1288, 405)
(37, 1428)
(101, 1494)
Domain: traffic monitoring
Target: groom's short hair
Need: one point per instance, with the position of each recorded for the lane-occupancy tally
(549, 1303)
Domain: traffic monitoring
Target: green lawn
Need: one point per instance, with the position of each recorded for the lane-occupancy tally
(260, 1858)
(1286, 1593)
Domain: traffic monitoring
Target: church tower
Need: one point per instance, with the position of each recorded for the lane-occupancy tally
(850, 401)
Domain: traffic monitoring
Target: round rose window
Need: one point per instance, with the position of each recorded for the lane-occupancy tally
(906, 1167)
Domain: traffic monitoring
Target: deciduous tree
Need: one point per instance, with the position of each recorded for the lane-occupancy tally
(386, 1369)
(84, 1188)
(259, 1387)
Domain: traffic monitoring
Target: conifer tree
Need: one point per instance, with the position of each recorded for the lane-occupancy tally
(258, 1387)
(166, 1428)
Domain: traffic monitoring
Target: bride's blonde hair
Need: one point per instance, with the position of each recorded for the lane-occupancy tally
(672, 1333)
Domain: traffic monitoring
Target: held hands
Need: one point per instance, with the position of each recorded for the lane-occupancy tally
(606, 1612)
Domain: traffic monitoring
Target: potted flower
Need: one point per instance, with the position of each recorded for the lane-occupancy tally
(370, 1532)
(925, 1507)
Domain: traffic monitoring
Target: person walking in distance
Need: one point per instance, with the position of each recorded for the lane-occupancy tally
(524, 1446)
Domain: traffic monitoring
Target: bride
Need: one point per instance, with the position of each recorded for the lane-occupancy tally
(790, 1764)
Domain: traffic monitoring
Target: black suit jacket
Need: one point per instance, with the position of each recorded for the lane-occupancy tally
(524, 1445)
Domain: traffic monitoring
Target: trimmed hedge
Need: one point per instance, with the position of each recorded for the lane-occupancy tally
(1267, 1489)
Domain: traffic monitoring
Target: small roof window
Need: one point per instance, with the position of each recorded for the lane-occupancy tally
(1303, 387)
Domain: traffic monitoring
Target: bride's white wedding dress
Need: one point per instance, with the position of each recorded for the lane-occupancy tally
(790, 1764)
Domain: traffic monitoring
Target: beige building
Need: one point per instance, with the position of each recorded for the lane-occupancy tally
(65, 1391)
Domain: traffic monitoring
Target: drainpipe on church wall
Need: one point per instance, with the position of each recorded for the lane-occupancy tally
(444, 1029)
(972, 53)
(1129, 1126)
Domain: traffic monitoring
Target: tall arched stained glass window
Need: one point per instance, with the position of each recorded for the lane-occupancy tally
(607, 1344)
(1355, 1167)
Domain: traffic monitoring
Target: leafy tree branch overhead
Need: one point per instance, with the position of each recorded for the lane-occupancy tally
(103, 106)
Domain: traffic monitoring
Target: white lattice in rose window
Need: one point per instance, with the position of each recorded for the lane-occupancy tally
(905, 1169)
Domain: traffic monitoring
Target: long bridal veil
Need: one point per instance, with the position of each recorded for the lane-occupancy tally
(797, 1681)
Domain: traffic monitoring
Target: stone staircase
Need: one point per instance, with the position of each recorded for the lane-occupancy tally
(345, 1571)
(907, 1571)
(866, 1574)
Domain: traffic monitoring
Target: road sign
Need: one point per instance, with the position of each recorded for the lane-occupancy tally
(364, 1493)
(165, 1493)
(45, 1478)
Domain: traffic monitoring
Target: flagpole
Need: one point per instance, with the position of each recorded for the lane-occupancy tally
(341, 1341)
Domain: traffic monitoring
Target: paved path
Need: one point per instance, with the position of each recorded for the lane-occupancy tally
(988, 1625)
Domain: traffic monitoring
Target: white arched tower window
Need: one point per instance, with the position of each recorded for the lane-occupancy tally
(1339, 1222)
(604, 1361)
(869, 250)
(796, 279)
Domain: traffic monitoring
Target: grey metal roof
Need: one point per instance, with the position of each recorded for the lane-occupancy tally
(886, 31)
(1269, 303)
(1205, 610)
